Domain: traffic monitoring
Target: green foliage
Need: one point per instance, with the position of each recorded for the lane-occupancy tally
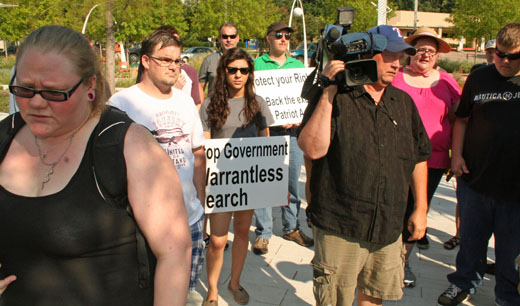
(477, 19)
(455, 66)
(4, 101)
(7, 62)
(125, 83)
(197, 62)
(187, 43)
(19, 21)
(5, 75)
(134, 19)
(252, 17)
(365, 14)
(444, 6)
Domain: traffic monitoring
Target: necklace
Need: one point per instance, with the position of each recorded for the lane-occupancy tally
(423, 74)
(53, 164)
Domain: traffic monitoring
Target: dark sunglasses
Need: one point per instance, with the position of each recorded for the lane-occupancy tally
(166, 61)
(47, 94)
(233, 70)
(279, 35)
(510, 56)
(225, 36)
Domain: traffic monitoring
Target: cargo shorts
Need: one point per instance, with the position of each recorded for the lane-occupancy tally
(341, 265)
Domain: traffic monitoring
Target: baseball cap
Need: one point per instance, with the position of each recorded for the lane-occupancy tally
(491, 44)
(394, 39)
(278, 26)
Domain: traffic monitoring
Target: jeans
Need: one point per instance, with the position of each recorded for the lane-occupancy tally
(264, 216)
(480, 217)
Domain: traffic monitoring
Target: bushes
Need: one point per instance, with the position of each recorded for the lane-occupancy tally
(455, 66)
(7, 62)
(188, 43)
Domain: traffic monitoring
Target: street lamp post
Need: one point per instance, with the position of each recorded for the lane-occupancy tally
(298, 11)
(86, 19)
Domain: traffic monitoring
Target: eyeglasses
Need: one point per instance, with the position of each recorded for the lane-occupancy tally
(430, 52)
(279, 35)
(166, 61)
(47, 94)
(233, 70)
(510, 56)
(225, 36)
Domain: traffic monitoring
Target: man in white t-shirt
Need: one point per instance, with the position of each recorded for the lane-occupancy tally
(173, 119)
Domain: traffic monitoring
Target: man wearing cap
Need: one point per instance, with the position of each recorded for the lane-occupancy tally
(367, 145)
(278, 37)
(485, 150)
(228, 38)
(490, 55)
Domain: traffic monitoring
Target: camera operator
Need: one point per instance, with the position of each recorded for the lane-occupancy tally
(367, 146)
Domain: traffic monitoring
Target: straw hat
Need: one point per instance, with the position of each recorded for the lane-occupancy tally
(444, 47)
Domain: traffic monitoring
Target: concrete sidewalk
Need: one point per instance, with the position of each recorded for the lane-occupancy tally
(284, 276)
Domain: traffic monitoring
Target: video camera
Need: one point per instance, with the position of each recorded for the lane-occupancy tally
(337, 44)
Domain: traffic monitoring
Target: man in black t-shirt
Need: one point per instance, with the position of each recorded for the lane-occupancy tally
(485, 151)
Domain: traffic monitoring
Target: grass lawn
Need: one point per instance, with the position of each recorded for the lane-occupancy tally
(4, 101)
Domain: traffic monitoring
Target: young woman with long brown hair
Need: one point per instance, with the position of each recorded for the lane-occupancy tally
(233, 110)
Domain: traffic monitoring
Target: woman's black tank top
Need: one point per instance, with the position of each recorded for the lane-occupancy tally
(69, 248)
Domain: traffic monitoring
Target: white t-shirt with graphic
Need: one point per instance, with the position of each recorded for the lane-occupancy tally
(176, 125)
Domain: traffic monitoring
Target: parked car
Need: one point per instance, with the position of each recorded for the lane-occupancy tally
(299, 51)
(11, 50)
(133, 53)
(194, 52)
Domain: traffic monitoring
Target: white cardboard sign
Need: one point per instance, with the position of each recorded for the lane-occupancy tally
(246, 173)
(281, 89)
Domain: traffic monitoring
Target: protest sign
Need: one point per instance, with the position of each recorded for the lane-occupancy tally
(246, 173)
(281, 89)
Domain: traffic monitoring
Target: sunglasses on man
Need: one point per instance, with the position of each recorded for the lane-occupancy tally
(510, 56)
(279, 35)
(225, 36)
(233, 70)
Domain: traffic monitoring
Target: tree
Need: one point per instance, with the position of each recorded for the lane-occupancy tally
(481, 19)
(365, 14)
(444, 6)
(110, 51)
(252, 17)
(18, 22)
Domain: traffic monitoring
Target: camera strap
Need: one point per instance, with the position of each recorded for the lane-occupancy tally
(371, 43)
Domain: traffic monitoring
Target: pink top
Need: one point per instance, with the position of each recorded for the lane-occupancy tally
(433, 104)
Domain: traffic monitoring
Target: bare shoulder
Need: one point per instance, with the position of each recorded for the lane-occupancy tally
(140, 144)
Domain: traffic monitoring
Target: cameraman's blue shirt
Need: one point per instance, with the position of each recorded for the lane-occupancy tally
(264, 62)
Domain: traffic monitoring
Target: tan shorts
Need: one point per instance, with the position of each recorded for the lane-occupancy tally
(341, 265)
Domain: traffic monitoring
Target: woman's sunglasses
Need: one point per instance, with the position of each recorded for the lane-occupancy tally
(47, 94)
(233, 70)
(279, 35)
(510, 56)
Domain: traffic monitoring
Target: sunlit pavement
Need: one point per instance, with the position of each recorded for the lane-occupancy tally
(284, 276)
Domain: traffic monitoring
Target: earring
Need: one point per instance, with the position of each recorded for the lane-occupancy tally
(91, 96)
